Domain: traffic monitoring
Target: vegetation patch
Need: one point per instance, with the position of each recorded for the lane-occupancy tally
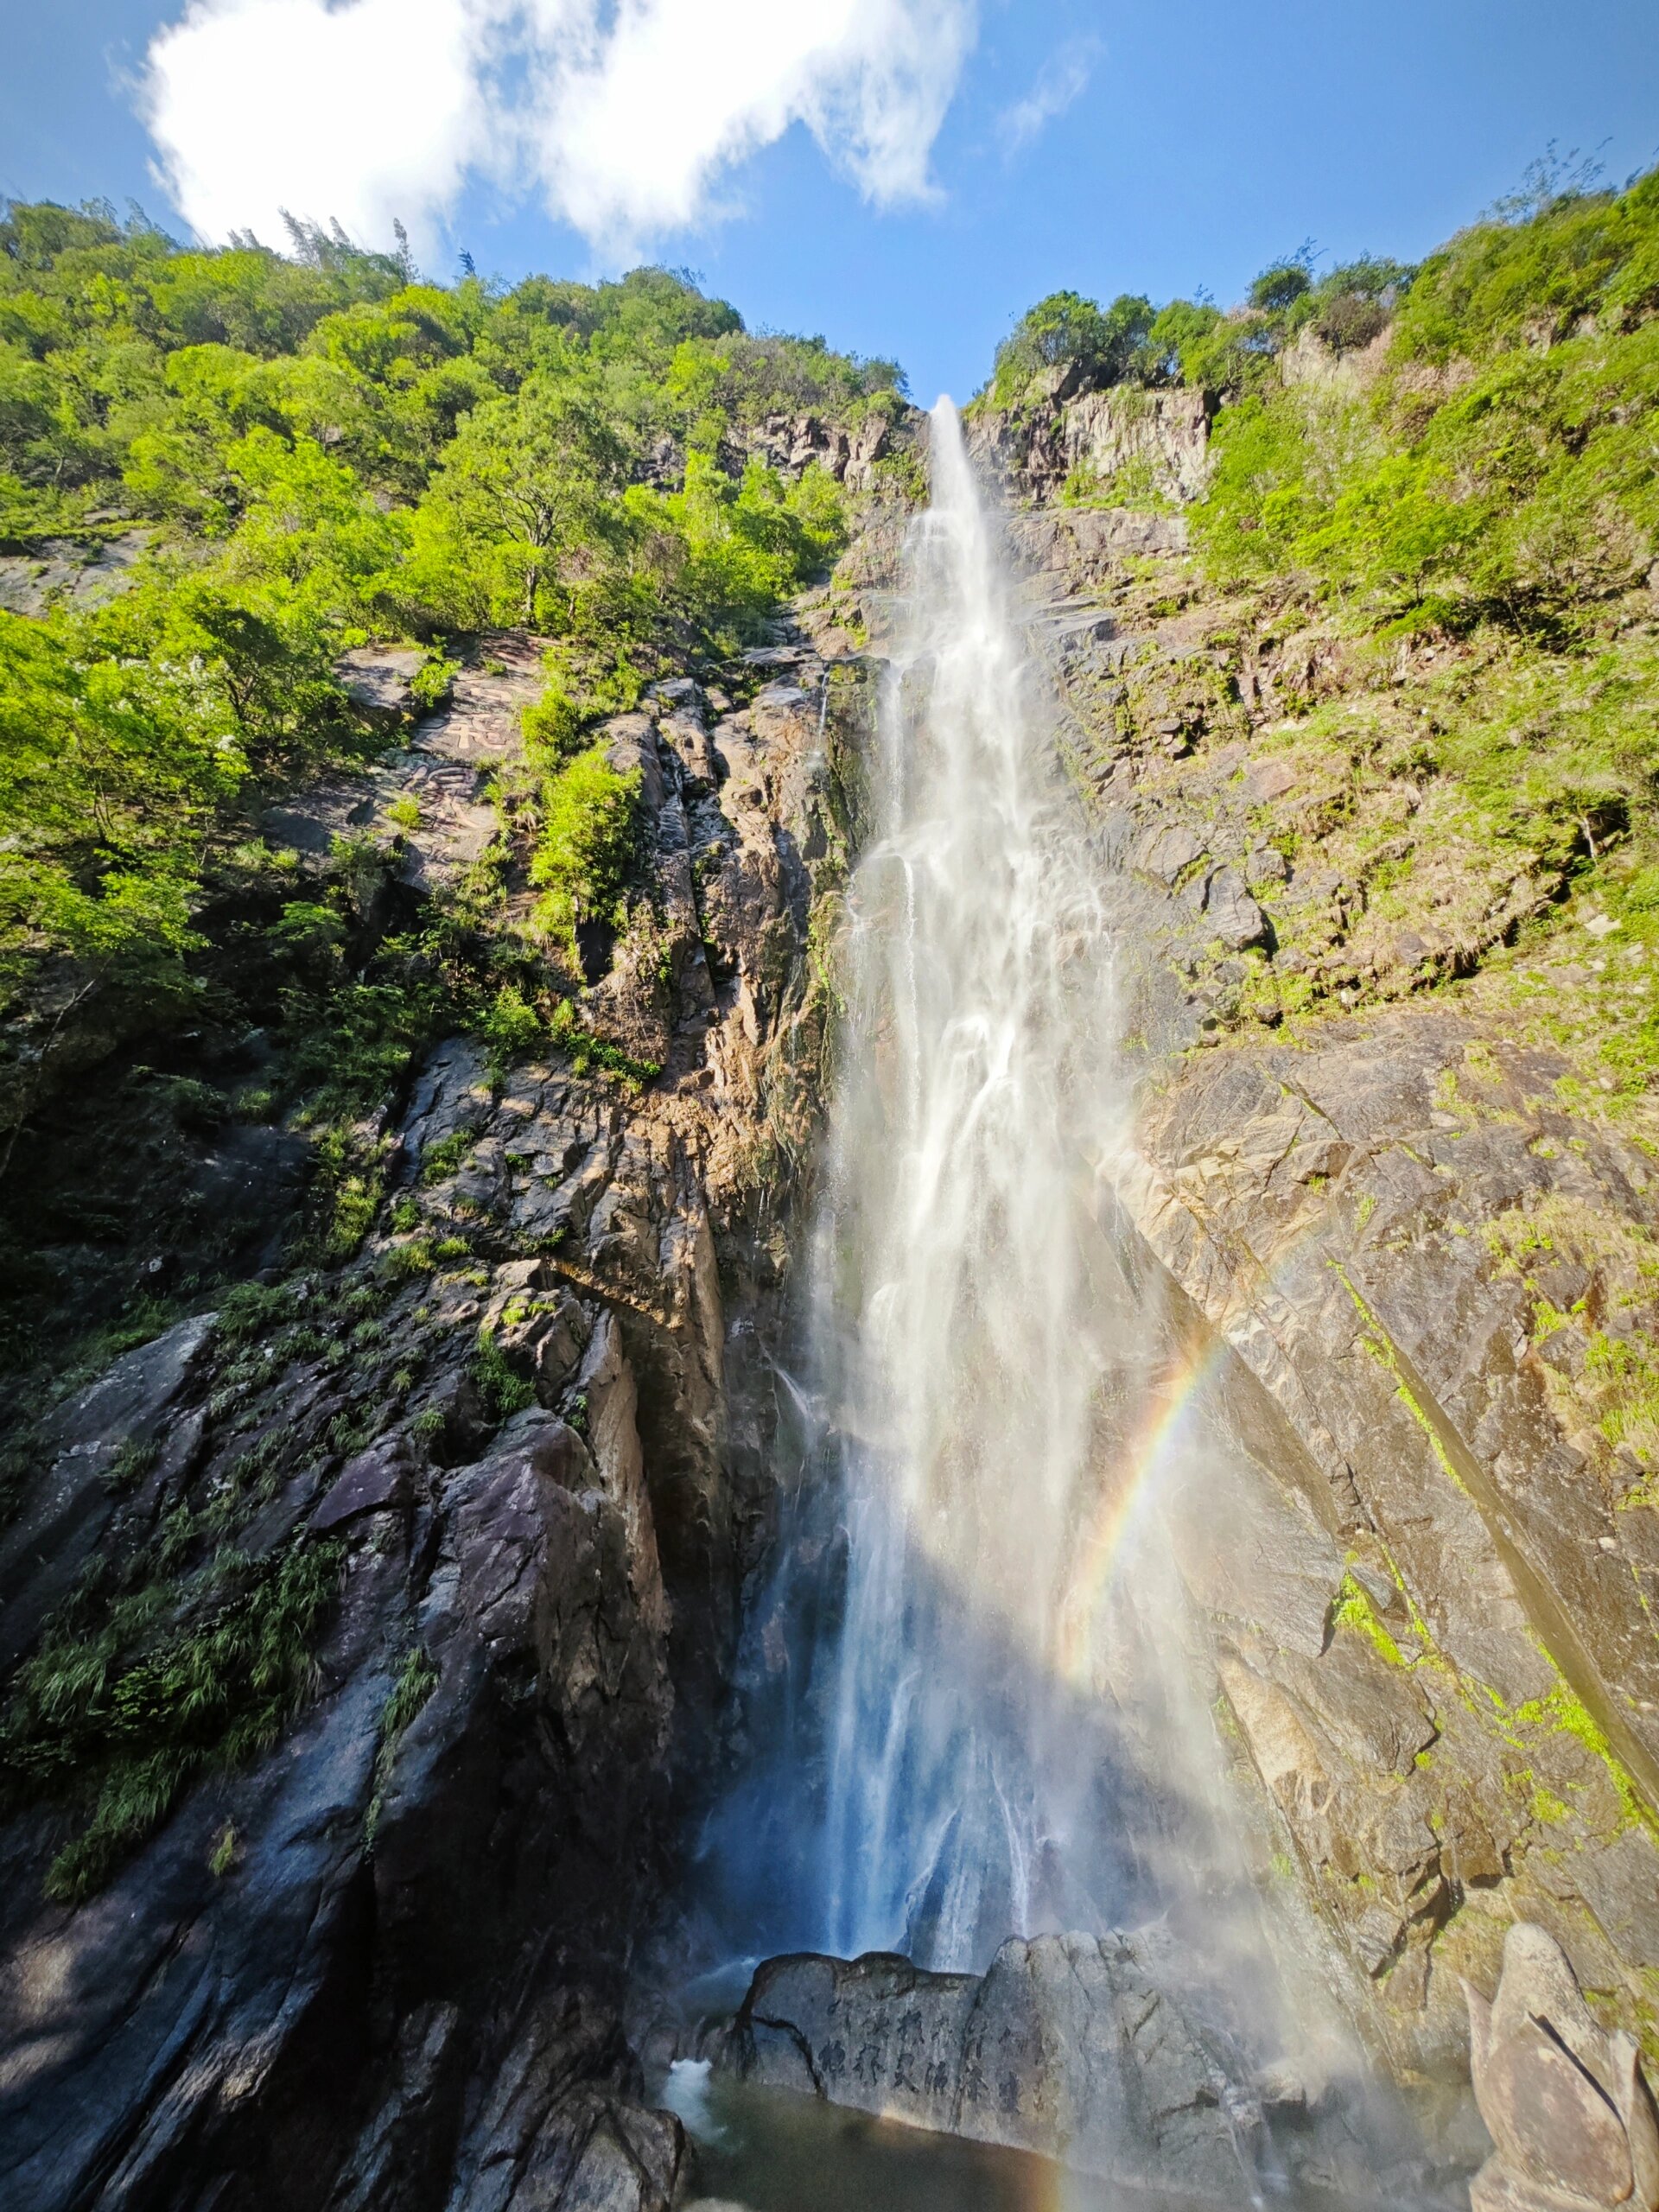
(415, 1684)
(134, 1693)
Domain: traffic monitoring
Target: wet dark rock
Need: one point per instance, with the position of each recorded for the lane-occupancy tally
(1077, 2050)
(380, 1963)
(368, 1483)
(216, 2016)
(68, 1511)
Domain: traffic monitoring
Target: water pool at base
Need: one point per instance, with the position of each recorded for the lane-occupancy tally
(760, 2150)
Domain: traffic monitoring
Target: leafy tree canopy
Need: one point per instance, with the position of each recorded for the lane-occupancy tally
(319, 446)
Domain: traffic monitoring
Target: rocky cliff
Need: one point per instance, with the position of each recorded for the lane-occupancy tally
(1403, 1215)
(431, 1551)
(365, 1630)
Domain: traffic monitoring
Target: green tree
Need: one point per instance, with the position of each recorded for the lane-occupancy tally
(525, 486)
(1066, 329)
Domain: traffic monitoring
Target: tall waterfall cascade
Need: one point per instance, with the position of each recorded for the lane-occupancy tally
(951, 1740)
(956, 1327)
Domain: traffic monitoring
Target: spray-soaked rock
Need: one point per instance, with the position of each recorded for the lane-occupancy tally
(1567, 2104)
(1076, 2048)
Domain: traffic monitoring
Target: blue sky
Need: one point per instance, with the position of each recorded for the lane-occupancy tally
(1201, 140)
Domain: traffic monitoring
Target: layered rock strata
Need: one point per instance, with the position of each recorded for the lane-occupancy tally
(517, 1449)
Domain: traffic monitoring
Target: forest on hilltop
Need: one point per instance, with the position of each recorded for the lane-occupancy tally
(305, 452)
(328, 450)
(293, 454)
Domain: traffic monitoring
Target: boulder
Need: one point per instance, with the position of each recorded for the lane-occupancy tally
(1077, 2049)
(1567, 2105)
(1231, 913)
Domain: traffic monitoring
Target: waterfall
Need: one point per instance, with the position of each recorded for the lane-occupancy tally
(954, 1290)
(931, 1772)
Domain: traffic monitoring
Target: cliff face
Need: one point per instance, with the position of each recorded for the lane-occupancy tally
(1414, 1243)
(454, 1530)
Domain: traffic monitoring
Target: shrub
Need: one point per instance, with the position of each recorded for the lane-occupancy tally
(123, 1711)
(502, 1389)
(512, 1027)
(585, 845)
(1067, 330)
(1281, 286)
(552, 726)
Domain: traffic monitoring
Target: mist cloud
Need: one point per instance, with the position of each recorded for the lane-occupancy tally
(627, 119)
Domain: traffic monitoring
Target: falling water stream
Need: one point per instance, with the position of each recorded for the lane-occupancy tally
(958, 1330)
(969, 1705)
(933, 1770)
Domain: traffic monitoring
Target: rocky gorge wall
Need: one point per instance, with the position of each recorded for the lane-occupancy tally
(463, 1521)
(525, 1435)
(1383, 1201)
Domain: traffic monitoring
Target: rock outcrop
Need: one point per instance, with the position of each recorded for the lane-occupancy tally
(1102, 2055)
(1473, 1740)
(507, 1468)
(1067, 2046)
(1153, 445)
(1567, 2105)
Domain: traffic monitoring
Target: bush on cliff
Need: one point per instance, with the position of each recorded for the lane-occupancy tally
(1500, 468)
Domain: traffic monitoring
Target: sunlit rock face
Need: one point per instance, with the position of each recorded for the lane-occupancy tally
(1407, 1255)
(1567, 2104)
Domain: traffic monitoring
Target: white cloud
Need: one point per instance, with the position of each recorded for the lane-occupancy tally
(1063, 78)
(626, 114)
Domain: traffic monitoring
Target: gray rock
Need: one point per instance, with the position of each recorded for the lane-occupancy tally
(1567, 2105)
(1168, 851)
(379, 677)
(368, 1483)
(1402, 1386)
(1078, 2049)
(58, 570)
(1231, 913)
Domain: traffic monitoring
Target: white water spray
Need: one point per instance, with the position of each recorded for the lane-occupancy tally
(975, 1695)
(960, 1334)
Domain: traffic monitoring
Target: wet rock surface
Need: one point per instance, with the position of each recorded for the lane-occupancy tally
(1472, 1740)
(1098, 2054)
(1413, 1266)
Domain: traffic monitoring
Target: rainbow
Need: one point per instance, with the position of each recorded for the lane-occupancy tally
(1162, 1427)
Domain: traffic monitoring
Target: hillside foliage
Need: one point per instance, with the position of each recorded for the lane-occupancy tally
(321, 448)
(225, 469)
